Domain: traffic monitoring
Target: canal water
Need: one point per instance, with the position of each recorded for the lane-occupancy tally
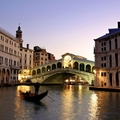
(62, 103)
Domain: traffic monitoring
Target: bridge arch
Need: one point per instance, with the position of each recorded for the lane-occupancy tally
(56, 76)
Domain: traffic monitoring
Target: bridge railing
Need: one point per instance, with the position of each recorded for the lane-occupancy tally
(62, 69)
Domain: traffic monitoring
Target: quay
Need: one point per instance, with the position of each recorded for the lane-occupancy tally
(104, 89)
(31, 84)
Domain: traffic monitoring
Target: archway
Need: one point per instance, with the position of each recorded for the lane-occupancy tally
(3, 76)
(43, 69)
(59, 65)
(82, 67)
(38, 71)
(88, 68)
(75, 65)
(7, 76)
(33, 72)
(48, 68)
(53, 66)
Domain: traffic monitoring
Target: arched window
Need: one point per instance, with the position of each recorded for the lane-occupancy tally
(110, 45)
(88, 68)
(3, 71)
(117, 79)
(75, 65)
(110, 61)
(116, 59)
(53, 66)
(48, 68)
(59, 65)
(43, 69)
(38, 71)
(33, 72)
(115, 43)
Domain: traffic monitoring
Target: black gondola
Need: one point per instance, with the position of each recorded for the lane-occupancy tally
(32, 97)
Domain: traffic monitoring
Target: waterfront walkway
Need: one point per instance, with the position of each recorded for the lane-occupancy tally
(104, 89)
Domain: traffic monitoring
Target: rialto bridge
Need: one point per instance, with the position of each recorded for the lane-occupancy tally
(69, 67)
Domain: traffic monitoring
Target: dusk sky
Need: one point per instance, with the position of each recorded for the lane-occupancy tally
(60, 26)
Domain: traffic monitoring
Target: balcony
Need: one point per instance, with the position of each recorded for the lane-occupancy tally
(14, 67)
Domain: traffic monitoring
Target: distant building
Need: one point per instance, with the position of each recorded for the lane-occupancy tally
(107, 59)
(51, 57)
(41, 57)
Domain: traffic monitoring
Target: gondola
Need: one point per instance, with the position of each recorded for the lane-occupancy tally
(32, 97)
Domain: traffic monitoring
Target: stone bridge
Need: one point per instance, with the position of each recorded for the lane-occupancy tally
(57, 76)
(70, 65)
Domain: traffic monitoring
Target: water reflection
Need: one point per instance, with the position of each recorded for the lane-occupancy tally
(67, 102)
(24, 88)
(70, 103)
(93, 107)
(108, 103)
(27, 110)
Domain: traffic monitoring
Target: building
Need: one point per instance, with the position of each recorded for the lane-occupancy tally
(107, 59)
(51, 57)
(9, 57)
(26, 59)
(26, 62)
(13, 56)
(41, 56)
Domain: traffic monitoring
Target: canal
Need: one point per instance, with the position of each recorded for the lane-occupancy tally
(73, 102)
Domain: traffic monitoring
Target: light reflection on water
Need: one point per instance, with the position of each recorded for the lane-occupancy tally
(93, 107)
(62, 103)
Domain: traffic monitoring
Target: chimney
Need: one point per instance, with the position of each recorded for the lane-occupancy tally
(118, 24)
(27, 46)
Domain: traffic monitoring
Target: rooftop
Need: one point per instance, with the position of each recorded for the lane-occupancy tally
(112, 31)
(7, 33)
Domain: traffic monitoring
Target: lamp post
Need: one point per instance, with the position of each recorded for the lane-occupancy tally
(95, 79)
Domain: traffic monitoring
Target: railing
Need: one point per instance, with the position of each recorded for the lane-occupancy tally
(60, 70)
(14, 67)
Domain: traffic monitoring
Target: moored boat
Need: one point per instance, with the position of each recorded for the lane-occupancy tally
(32, 97)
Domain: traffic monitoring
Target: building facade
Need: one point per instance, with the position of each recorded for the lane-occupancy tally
(107, 59)
(26, 63)
(9, 57)
(41, 57)
(13, 56)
